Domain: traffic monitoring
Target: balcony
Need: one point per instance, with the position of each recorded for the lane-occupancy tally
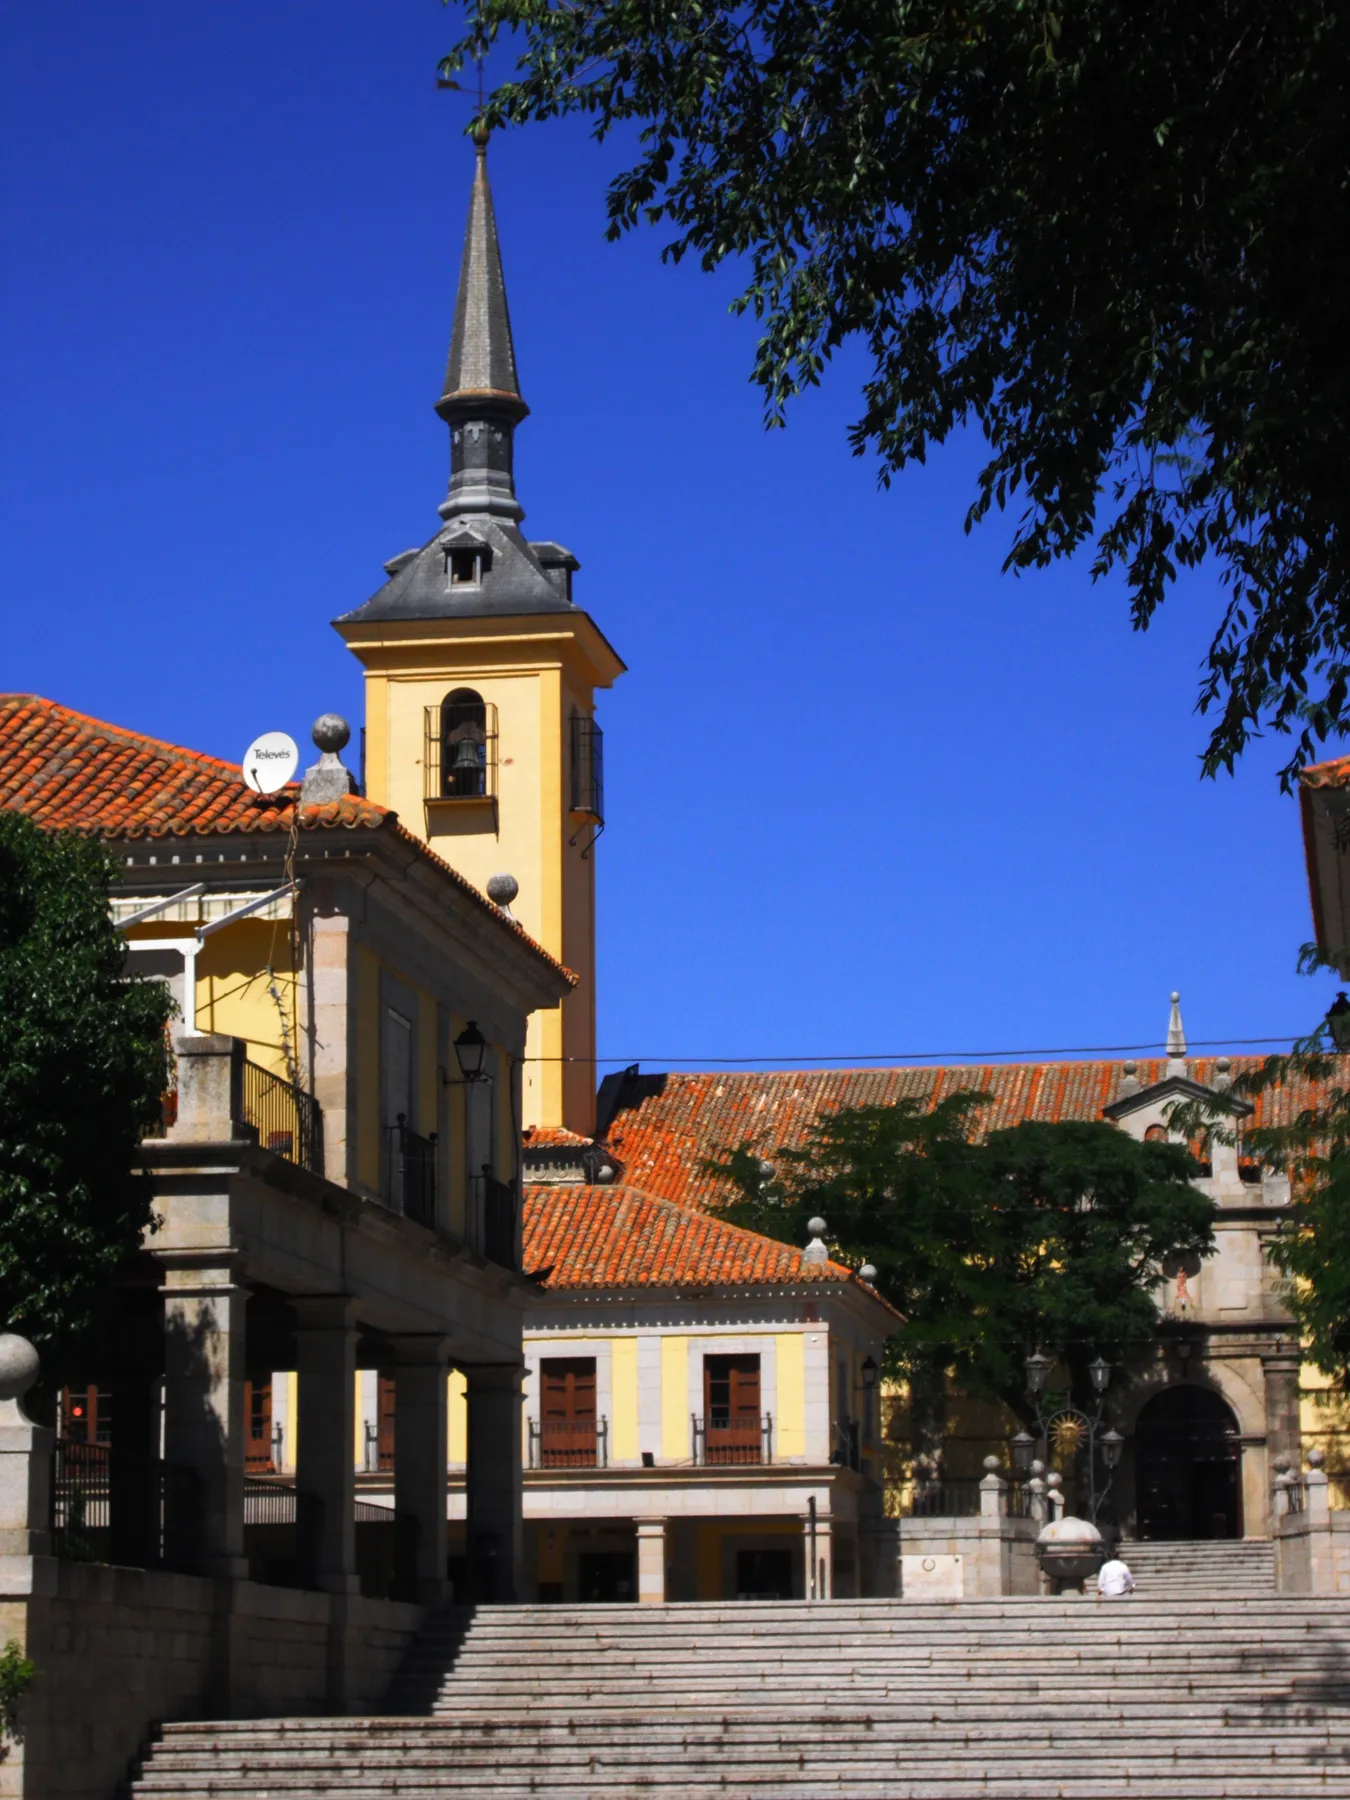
(718, 1438)
(569, 1443)
(409, 1172)
(286, 1119)
(497, 1213)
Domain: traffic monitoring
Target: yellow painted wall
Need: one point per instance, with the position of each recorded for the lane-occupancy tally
(533, 671)
(623, 1398)
(790, 1425)
(675, 1445)
(457, 1417)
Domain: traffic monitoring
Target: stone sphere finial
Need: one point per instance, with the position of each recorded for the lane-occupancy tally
(1283, 1464)
(868, 1272)
(1054, 1479)
(1316, 1458)
(816, 1227)
(1132, 1068)
(502, 889)
(330, 732)
(19, 1365)
(992, 1465)
(1176, 998)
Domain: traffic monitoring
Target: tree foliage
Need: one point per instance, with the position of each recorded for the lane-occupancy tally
(1107, 233)
(82, 1072)
(1041, 1235)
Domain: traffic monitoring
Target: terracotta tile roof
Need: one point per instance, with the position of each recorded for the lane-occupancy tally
(618, 1237)
(1335, 773)
(68, 772)
(547, 1137)
(665, 1125)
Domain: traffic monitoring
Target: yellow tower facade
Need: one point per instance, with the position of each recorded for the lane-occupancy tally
(481, 675)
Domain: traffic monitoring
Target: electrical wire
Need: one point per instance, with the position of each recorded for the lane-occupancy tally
(921, 1056)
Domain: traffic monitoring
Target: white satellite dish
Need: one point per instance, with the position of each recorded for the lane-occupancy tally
(270, 761)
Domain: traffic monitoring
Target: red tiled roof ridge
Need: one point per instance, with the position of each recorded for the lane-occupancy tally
(1326, 774)
(665, 1126)
(227, 807)
(620, 1236)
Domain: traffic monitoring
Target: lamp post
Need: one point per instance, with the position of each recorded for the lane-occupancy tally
(1102, 1445)
(471, 1049)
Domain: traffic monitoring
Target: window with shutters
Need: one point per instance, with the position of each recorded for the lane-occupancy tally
(732, 1422)
(567, 1412)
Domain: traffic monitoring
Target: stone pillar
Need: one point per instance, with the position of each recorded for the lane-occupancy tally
(210, 1088)
(495, 1482)
(820, 1581)
(651, 1561)
(25, 1458)
(993, 1491)
(204, 1308)
(420, 1457)
(325, 1459)
(1284, 1435)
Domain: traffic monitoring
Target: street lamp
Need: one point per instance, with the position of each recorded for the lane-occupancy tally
(1068, 1424)
(1338, 1022)
(470, 1049)
(1038, 1366)
(870, 1371)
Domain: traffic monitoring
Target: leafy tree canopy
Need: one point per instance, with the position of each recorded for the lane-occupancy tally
(1042, 1235)
(1108, 233)
(82, 1072)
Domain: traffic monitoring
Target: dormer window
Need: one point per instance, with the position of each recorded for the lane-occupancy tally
(466, 566)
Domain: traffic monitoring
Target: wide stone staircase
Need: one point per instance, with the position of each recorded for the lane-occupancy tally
(1219, 1567)
(1068, 1699)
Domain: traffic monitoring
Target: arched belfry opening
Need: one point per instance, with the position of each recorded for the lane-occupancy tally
(464, 745)
(1187, 1456)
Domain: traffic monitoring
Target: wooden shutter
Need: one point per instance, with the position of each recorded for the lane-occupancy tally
(731, 1408)
(567, 1411)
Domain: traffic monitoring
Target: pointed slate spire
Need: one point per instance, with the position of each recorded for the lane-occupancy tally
(481, 400)
(1176, 1039)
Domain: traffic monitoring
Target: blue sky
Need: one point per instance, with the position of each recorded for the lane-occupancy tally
(867, 794)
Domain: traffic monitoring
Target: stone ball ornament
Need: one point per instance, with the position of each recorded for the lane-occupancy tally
(868, 1272)
(331, 732)
(816, 1227)
(1070, 1551)
(20, 1365)
(502, 889)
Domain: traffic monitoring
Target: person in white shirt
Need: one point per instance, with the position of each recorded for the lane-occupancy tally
(1114, 1580)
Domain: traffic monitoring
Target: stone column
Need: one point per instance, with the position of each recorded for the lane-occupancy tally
(1284, 1434)
(495, 1482)
(820, 1578)
(210, 1088)
(204, 1308)
(651, 1561)
(420, 1457)
(25, 1459)
(325, 1459)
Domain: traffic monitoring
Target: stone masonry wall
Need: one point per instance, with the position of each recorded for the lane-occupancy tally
(119, 1650)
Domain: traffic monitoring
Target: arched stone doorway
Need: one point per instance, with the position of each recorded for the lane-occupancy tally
(1186, 1458)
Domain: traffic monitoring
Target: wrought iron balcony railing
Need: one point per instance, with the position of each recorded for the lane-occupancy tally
(719, 1438)
(286, 1119)
(569, 1443)
(409, 1175)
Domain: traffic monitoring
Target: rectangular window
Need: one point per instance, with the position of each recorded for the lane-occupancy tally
(567, 1412)
(258, 1424)
(732, 1422)
(86, 1415)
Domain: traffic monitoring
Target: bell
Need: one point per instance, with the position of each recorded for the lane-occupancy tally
(467, 761)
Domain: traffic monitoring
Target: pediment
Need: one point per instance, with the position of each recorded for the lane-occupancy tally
(1176, 1087)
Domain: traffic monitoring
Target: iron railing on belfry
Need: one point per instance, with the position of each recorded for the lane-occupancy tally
(286, 1119)
(499, 1221)
(109, 1507)
(410, 1172)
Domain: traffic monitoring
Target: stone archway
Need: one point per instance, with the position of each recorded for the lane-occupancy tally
(1187, 1455)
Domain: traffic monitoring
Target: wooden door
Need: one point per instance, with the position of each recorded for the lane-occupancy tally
(731, 1415)
(386, 1389)
(258, 1425)
(567, 1412)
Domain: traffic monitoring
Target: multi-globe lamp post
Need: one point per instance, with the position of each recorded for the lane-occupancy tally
(1070, 1422)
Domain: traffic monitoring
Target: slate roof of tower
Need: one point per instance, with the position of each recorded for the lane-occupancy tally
(482, 356)
(69, 772)
(662, 1127)
(617, 1236)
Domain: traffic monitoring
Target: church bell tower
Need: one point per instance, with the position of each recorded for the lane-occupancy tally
(480, 684)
